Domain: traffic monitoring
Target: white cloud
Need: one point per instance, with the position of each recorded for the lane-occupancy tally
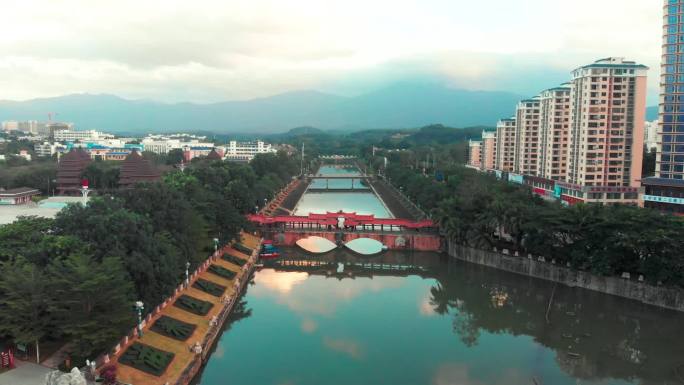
(207, 50)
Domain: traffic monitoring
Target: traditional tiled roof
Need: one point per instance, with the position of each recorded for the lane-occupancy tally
(70, 170)
(20, 191)
(213, 155)
(135, 169)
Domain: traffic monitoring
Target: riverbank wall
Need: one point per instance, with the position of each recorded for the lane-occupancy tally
(395, 201)
(538, 267)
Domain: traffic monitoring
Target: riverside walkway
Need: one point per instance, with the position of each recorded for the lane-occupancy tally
(179, 333)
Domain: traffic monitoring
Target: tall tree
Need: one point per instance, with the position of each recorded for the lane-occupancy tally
(25, 300)
(92, 300)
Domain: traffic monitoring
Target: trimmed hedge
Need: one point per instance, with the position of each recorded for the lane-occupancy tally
(147, 359)
(234, 260)
(193, 305)
(222, 271)
(209, 287)
(242, 248)
(173, 328)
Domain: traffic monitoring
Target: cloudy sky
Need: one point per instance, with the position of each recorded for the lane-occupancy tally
(205, 51)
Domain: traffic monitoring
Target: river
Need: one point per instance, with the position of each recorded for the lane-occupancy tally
(407, 318)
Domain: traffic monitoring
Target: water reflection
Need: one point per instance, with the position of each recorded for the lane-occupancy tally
(417, 318)
(360, 203)
(316, 245)
(336, 170)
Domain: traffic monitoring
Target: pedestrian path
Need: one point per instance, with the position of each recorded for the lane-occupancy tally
(26, 373)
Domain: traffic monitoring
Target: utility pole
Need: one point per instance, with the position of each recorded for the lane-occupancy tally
(301, 164)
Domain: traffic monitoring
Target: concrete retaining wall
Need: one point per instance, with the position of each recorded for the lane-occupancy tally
(671, 298)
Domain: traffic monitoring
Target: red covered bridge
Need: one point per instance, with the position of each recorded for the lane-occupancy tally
(393, 232)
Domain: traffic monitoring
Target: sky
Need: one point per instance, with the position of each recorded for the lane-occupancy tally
(207, 51)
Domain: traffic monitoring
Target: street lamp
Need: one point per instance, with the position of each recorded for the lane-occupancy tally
(139, 307)
(187, 274)
(216, 242)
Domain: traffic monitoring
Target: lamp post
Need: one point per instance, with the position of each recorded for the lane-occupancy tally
(187, 274)
(139, 306)
(216, 242)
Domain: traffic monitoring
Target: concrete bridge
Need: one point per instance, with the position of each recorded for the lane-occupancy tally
(340, 176)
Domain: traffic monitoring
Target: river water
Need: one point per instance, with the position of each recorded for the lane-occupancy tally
(405, 318)
(350, 202)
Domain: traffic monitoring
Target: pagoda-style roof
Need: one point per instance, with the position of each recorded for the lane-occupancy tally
(213, 155)
(70, 169)
(136, 169)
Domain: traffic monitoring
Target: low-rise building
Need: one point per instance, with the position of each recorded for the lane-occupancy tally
(47, 149)
(246, 151)
(72, 136)
(17, 196)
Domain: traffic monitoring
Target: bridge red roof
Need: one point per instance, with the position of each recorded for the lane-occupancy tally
(330, 219)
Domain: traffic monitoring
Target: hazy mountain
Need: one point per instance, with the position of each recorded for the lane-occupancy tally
(398, 106)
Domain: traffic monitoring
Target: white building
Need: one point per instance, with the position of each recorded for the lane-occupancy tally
(160, 145)
(246, 151)
(47, 149)
(163, 144)
(72, 136)
(651, 135)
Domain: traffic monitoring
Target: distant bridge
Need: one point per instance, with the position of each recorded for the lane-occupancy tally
(339, 176)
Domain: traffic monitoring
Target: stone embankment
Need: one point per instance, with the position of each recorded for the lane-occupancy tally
(395, 201)
(539, 267)
(286, 199)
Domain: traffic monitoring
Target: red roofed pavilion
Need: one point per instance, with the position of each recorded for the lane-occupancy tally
(69, 171)
(136, 169)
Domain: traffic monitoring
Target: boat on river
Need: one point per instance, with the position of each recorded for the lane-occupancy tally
(269, 251)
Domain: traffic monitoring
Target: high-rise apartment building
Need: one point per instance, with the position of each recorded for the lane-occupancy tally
(666, 190)
(505, 144)
(606, 135)
(488, 150)
(651, 135)
(527, 137)
(554, 126)
(475, 153)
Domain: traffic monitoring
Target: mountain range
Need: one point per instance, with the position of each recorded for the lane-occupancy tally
(400, 105)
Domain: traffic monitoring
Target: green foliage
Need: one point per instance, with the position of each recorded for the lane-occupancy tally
(242, 248)
(26, 301)
(233, 259)
(146, 359)
(102, 175)
(173, 328)
(209, 287)
(150, 257)
(91, 300)
(193, 305)
(75, 277)
(174, 156)
(221, 271)
(36, 174)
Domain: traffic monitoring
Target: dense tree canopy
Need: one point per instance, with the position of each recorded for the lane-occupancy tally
(75, 277)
